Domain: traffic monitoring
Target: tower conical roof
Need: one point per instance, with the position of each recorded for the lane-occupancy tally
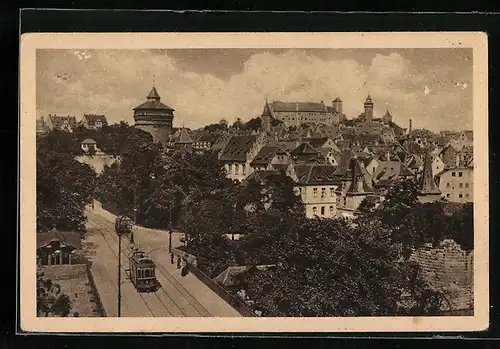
(184, 136)
(428, 186)
(266, 111)
(368, 100)
(356, 172)
(153, 94)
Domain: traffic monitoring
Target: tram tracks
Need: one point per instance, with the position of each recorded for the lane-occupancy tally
(195, 306)
(123, 270)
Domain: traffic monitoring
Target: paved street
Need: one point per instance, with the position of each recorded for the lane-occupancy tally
(179, 296)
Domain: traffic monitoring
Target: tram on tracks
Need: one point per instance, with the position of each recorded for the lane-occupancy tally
(123, 226)
(142, 272)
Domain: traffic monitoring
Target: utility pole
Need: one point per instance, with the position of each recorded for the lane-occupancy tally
(119, 273)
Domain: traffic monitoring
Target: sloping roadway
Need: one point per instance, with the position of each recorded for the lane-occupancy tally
(178, 296)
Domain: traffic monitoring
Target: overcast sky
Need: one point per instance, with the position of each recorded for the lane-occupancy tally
(431, 86)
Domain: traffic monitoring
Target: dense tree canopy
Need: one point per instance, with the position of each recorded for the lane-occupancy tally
(64, 187)
(49, 298)
(322, 267)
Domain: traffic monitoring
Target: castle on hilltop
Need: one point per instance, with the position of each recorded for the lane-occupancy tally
(298, 113)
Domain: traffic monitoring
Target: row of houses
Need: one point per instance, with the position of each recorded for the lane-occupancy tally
(334, 174)
(68, 122)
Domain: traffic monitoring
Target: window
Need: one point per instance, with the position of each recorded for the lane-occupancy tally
(345, 201)
(448, 195)
(459, 174)
(322, 210)
(461, 185)
(332, 191)
(323, 192)
(236, 169)
(453, 174)
(331, 210)
(460, 195)
(466, 185)
(467, 195)
(315, 192)
(448, 185)
(315, 210)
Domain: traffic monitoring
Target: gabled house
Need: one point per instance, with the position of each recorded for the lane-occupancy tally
(457, 184)
(62, 123)
(322, 143)
(389, 172)
(203, 141)
(331, 157)
(93, 122)
(268, 156)
(316, 185)
(305, 153)
(437, 165)
(238, 154)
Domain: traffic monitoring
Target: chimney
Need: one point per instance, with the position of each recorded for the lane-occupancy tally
(388, 156)
(457, 162)
(409, 128)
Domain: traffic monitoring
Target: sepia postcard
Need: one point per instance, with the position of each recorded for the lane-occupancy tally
(254, 182)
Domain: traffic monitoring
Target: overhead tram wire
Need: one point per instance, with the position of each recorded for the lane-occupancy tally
(123, 268)
(182, 290)
(164, 291)
(141, 295)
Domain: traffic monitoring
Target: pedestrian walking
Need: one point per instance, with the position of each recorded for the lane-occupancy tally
(171, 258)
(178, 262)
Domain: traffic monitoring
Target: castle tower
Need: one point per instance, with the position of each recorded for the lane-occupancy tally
(409, 127)
(368, 109)
(154, 117)
(337, 105)
(387, 117)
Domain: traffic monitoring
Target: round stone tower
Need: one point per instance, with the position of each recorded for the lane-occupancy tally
(154, 117)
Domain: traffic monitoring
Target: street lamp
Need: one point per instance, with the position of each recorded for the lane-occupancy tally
(170, 229)
(120, 230)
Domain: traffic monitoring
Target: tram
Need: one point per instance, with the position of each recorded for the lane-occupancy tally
(123, 226)
(142, 272)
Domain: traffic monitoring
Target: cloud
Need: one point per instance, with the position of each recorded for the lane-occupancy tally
(112, 82)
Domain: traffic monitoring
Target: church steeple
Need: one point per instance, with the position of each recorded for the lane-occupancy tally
(428, 186)
(428, 190)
